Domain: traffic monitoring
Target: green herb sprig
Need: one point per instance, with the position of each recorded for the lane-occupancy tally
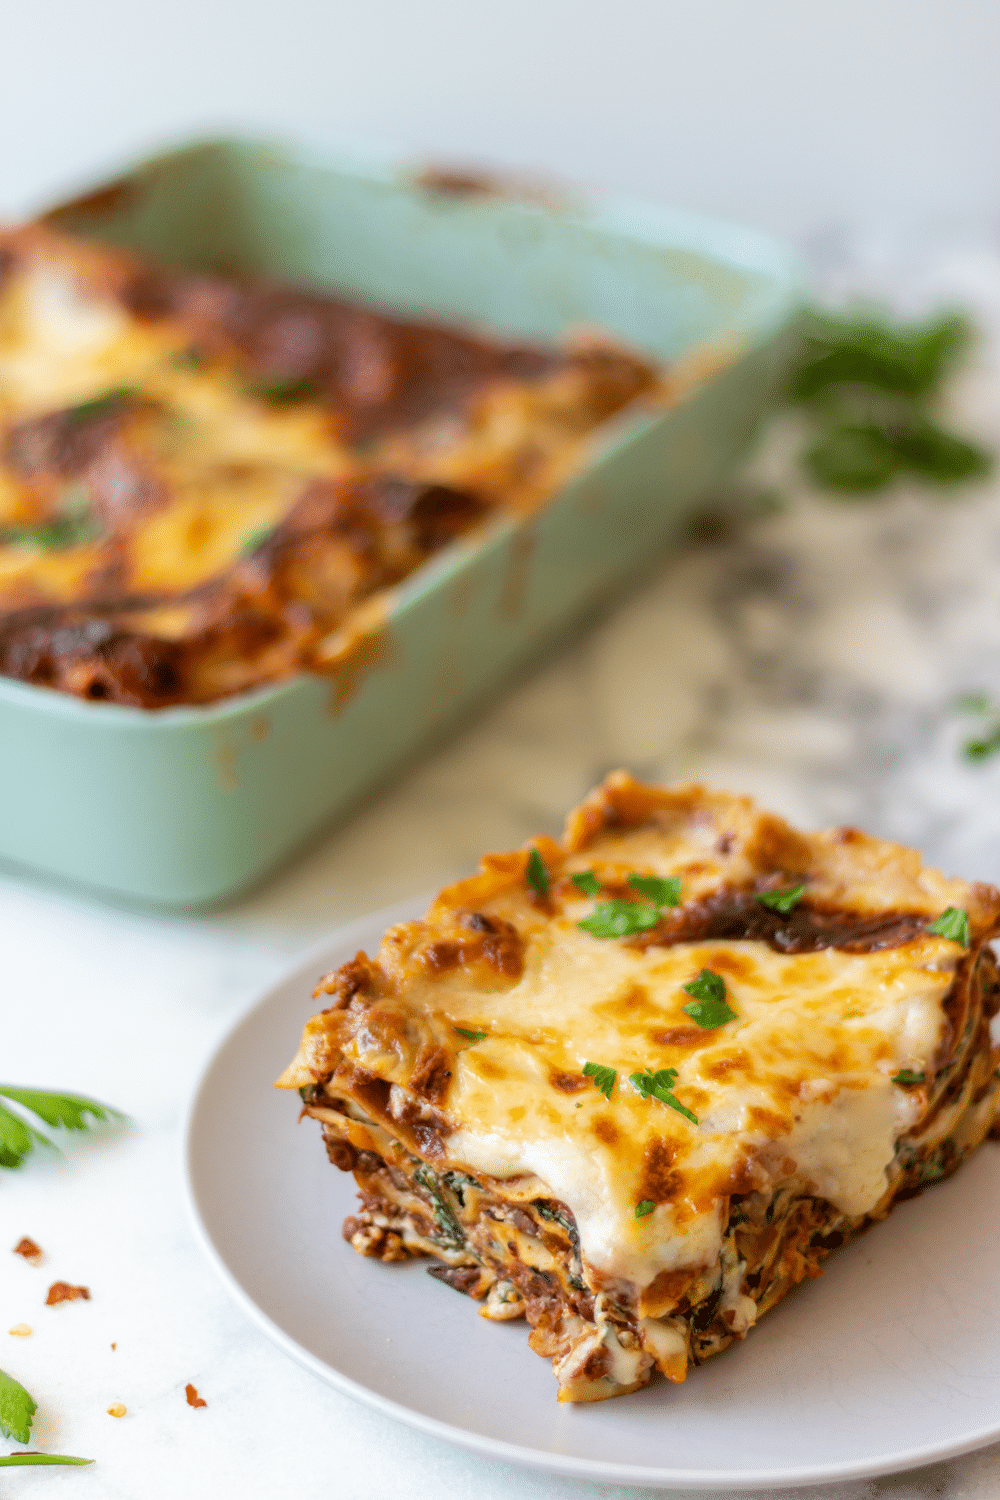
(659, 1085)
(782, 901)
(644, 1208)
(869, 384)
(907, 1075)
(617, 919)
(17, 1411)
(472, 1036)
(709, 1008)
(587, 882)
(19, 1137)
(664, 890)
(953, 923)
(538, 874)
(603, 1076)
(980, 746)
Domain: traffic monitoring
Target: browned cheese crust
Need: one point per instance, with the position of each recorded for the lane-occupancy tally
(208, 484)
(419, 1058)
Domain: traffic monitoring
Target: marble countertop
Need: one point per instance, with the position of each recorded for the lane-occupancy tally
(810, 656)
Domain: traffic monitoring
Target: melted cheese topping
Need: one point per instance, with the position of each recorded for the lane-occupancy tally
(798, 1086)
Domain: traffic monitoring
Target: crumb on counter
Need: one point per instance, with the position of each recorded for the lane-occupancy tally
(117, 1409)
(21, 1330)
(61, 1291)
(29, 1250)
(193, 1399)
(114, 1346)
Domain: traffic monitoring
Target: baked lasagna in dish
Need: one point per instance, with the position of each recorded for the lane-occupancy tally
(208, 484)
(635, 1085)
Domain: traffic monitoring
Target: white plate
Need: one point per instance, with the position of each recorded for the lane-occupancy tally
(889, 1361)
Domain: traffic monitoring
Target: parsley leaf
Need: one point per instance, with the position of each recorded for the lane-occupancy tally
(604, 1077)
(100, 406)
(664, 890)
(953, 923)
(254, 539)
(290, 390)
(707, 986)
(782, 901)
(644, 1208)
(866, 349)
(66, 1111)
(853, 457)
(587, 882)
(972, 703)
(17, 1408)
(615, 919)
(980, 749)
(907, 1075)
(22, 1460)
(472, 1036)
(658, 1086)
(709, 1006)
(538, 875)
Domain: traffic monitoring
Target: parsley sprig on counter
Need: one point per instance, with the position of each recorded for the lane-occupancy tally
(19, 1137)
(870, 386)
(17, 1411)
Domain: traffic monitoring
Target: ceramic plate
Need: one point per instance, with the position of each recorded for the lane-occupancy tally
(889, 1361)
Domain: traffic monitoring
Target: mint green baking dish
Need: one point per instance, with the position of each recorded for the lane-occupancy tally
(185, 806)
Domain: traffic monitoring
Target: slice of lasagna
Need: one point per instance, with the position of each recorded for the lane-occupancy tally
(634, 1086)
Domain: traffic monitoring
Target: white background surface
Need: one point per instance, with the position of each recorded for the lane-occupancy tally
(795, 115)
(799, 116)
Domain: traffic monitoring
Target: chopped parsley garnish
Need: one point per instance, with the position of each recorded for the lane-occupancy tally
(953, 923)
(604, 1077)
(18, 1138)
(472, 1036)
(72, 525)
(658, 1086)
(782, 901)
(255, 539)
(290, 390)
(644, 1208)
(538, 874)
(587, 882)
(664, 890)
(615, 919)
(86, 411)
(907, 1075)
(709, 1008)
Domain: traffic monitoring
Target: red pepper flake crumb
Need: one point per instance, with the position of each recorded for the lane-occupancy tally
(193, 1399)
(61, 1291)
(29, 1250)
(114, 1346)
